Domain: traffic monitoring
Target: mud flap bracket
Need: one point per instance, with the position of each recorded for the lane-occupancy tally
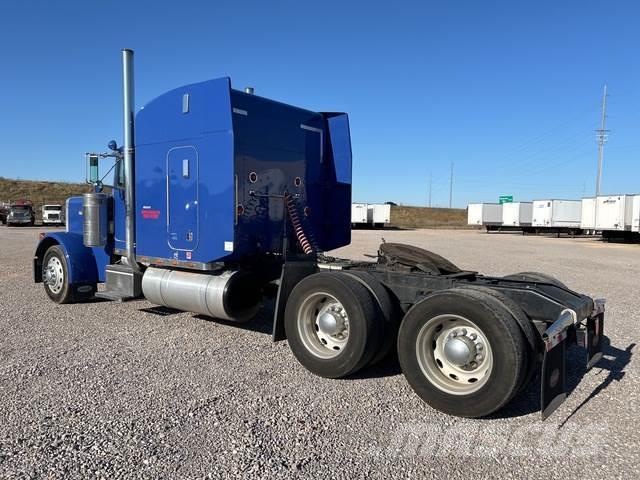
(553, 390)
(591, 339)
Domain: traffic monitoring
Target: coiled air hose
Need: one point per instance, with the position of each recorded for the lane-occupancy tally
(303, 240)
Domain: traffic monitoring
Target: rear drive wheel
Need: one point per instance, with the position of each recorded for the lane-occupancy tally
(526, 326)
(55, 275)
(388, 319)
(462, 352)
(329, 321)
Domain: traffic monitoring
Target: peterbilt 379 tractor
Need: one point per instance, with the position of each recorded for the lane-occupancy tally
(221, 196)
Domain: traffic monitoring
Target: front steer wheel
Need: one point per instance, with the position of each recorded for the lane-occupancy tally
(463, 352)
(55, 275)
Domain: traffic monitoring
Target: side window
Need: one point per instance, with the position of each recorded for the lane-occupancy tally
(341, 146)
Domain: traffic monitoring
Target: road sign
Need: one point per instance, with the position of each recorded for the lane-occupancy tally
(505, 199)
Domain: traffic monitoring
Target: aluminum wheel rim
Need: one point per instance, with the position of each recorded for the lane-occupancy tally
(313, 332)
(441, 372)
(53, 275)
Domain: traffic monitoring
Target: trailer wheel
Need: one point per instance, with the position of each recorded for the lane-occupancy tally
(329, 321)
(387, 321)
(55, 276)
(536, 277)
(462, 352)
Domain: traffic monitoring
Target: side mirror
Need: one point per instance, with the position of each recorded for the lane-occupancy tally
(93, 175)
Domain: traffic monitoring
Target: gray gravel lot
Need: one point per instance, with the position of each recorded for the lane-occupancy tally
(111, 390)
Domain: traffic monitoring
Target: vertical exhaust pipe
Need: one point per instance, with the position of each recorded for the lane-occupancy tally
(128, 105)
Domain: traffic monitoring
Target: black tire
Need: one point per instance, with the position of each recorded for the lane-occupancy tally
(64, 294)
(506, 340)
(389, 313)
(534, 343)
(361, 309)
(536, 277)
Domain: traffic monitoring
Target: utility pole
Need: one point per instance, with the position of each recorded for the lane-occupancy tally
(430, 185)
(602, 135)
(451, 186)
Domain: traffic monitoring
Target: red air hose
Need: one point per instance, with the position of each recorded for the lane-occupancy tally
(297, 225)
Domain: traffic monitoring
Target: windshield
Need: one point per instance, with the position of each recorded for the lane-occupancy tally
(53, 208)
(19, 209)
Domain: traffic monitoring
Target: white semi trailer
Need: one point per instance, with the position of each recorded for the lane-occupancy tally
(588, 216)
(359, 214)
(488, 215)
(614, 213)
(379, 214)
(517, 214)
(557, 216)
(635, 224)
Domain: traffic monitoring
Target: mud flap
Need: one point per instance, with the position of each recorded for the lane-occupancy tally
(553, 389)
(292, 273)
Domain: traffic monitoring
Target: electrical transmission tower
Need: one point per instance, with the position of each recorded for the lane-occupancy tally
(602, 135)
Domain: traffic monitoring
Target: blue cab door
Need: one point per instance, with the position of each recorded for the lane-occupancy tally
(182, 198)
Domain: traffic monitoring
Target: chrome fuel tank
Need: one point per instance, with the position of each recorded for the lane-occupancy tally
(231, 295)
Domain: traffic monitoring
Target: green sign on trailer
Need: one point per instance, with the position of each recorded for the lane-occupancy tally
(505, 199)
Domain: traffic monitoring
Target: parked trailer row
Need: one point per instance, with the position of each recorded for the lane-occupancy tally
(540, 215)
(611, 215)
(369, 214)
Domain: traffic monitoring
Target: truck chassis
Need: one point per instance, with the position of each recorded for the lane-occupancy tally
(549, 316)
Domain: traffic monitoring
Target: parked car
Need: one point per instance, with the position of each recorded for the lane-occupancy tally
(52, 214)
(21, 214)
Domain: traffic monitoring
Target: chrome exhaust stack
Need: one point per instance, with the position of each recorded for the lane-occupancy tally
(124, 280)
(128, 107)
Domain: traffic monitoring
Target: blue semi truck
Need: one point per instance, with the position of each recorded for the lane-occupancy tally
(220, 196)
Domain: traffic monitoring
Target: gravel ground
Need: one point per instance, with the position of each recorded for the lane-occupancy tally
(111, 390)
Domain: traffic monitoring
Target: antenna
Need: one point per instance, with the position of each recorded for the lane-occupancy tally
(602, 135)
(430, 185)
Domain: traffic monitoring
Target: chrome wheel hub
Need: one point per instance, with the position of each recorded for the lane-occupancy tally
(454, 354)
(53, 275)
(459, 350)
(330, 323)
(323, 325)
